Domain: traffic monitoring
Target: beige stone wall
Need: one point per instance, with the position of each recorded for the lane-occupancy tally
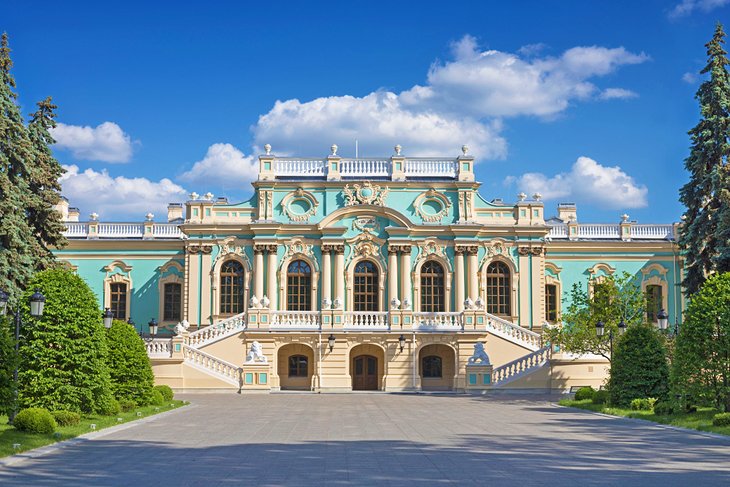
(448, 367)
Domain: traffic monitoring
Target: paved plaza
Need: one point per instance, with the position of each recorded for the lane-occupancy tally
(380, 439)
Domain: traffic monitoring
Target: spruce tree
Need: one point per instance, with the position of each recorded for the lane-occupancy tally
(705, 235)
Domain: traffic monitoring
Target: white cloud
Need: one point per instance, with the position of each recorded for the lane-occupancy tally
(590, 182)
(464, 101)
(223, 165)
(118, 197)
(689, 78)
(106, 142)
(617, 94)
(686, 7)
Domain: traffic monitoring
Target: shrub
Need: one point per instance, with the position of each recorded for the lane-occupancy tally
(584, 393)
(35, 420)
(127, 405)
(129, 367)
(166, 392)
(7, 365)
(63, 356)
(600, 397)
(721, 419)
(639, 366)
(109, 407)
(157, 398)
(643, 404)
(663, 408)
(66, 418)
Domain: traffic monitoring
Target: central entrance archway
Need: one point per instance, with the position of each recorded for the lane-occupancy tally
(367, 367)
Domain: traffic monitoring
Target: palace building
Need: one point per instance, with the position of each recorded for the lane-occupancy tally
(364, 274)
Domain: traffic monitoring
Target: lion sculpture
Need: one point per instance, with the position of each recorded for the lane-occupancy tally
(480, 356)
(256, 354)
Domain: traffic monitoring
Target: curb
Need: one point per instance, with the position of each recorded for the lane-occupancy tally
(680, 429)
(44, 450)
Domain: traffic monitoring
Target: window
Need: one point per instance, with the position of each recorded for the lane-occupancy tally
(602, 294)
(172, 302)
(366, 286)
(231, 288)
(299, 286)
(498, 289)
(118, 300)
(298, 366)
(654, 300)
(551, 303)
(431, 367)
(432, 287)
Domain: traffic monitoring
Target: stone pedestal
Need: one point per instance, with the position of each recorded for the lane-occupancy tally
(255, 377)
(478, 377)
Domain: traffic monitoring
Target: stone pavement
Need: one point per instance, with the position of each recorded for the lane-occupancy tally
(381, 439)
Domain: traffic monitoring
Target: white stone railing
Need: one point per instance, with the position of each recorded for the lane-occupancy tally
(366, 320)
(514, 333)
(654, 232)
(286, 166)
(295, 320)
(218, 331)
(437, 321)
(598, 231)
(221, 369)
(513, 369)
(429, 167)
(122, 230)
(364, 167)
(607, 231)
(159, 348)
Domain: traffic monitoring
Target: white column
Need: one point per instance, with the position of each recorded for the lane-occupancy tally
(472, 264)
(405, 274)
(272, 279)
(339, 273)
(258, 271)
(392, 274)
(459, 271)
(326, 272)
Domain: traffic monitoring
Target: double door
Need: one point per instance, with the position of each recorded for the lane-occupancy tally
(365, 373)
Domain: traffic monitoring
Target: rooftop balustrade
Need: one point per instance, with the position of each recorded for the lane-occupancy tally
(608, 231)
(148, 230)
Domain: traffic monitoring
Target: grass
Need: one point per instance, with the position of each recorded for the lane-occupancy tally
(28, 441)
(700, 420)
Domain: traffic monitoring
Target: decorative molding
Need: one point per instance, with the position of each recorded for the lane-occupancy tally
(299, 195)
(171, 264)
(601, 266)
(365, 194)
(199, 249)
(466, 249)
(530, 251)
(297, 247)
(661, 270)
(551, 266)
(430, 248)
(366, 224)
(117, 264)
(435, 196)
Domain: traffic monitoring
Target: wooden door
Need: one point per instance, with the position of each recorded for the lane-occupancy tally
(365, 373)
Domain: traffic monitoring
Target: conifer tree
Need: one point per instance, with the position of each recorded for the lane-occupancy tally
(705, 235)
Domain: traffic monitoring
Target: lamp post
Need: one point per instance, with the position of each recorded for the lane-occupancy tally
(107, 316)
(662, 320)
(331, 341)
(402, 342)
(153, 327)
(601, 330)
(37, 302)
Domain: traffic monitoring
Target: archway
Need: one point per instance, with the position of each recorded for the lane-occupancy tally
(367, 367)
(437, 367)
(295, 367)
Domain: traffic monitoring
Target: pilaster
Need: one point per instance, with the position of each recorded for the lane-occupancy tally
(258, 271)
(459, 277)
(272, 277)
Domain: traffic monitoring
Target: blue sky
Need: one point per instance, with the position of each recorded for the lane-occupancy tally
(585, 101)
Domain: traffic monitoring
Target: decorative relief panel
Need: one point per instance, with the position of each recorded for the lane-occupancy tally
(497, 248)
(432, 206)
(432, 248)
(298, 247)
(367, 224)
(366, 193)
(228, 247)
(299, 205)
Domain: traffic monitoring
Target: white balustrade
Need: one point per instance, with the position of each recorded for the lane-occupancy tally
(159, 348)
(300, 167)
(428, 167)
(599, 231)
(366, 320)
(221, 369)
(166, 230)
(364, 167)
(121, 230)
(513, 369)
(514, 333)
(652, 232)
(437, 321)
(295, 320)
(608, 231)
(76, 229)
(558, 231)
(218, 331)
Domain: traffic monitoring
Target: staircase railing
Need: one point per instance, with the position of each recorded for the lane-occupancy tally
(511, 370)
(159, 348)
(501, 327)
(217, 331)
(216, 367)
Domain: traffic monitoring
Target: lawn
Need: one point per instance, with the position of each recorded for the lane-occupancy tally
(701, 420)
(9, 435)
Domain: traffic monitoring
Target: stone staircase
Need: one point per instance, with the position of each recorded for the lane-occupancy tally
(511, 371)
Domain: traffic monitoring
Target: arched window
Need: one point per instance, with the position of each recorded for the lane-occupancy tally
(231, 288)
(498, 289)
(299, 286)
(653, 302)
(298, 366)
(431, 367)
(118, 300)
(432, 287)
(366, 286)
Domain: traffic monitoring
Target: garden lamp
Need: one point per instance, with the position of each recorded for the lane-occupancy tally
(662, 319)
(108, 317)
(621, 327)
(600, 328)
(153, 326)
(331, 341)
(37, 302)
(402, 342)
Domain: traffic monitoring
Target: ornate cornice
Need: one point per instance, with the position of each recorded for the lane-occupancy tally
(366, 193)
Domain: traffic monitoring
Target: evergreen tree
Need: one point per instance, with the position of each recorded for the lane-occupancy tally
(7, 365)
(17, 241)
(705, 235)
(44, 185)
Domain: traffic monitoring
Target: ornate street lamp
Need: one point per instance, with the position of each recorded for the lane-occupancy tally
(601, 330)
(131, 322)
(402, 342)
(153, 327)
(37, 303)
(331, 341)
(108, 317)
(662, 319)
